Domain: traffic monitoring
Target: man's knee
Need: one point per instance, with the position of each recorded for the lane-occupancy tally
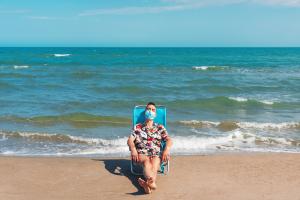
(147, 164)
(155, 163)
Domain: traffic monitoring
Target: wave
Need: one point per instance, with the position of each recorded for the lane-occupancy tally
(126, 90)
(242, 99)
(21, 66)
(61, 55)
(56, 138)
(236, 141)
(231, 125)
(59, 138)
(79, 120)
(273, 126)
(15, 75)
(224, 104)
(209, 68)
(224, 126)
(62, 144)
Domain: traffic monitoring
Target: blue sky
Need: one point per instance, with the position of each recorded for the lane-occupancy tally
(138, 23)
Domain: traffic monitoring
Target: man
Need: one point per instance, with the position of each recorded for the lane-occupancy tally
(144, 144)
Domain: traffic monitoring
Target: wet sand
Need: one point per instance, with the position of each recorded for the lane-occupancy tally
(228, 176)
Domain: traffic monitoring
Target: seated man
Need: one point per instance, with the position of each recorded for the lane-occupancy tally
(144, 144)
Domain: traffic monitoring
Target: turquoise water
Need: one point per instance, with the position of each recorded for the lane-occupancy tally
(78, 101)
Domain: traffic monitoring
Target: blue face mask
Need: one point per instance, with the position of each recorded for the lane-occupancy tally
(150, 115)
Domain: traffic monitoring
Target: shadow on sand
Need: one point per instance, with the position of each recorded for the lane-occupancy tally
(121, 167)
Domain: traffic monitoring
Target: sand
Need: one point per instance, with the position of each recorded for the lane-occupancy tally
(212, 177)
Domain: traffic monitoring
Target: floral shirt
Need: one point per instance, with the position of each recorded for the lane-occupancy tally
(147, 141)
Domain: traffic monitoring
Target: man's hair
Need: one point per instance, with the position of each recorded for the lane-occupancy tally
(150, 103)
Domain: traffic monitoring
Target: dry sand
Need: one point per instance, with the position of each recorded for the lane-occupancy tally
(212, 177)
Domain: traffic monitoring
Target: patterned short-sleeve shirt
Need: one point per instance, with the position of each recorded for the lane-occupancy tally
(148, 141)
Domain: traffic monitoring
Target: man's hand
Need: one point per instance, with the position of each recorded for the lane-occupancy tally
(166, 155)
(134, 155)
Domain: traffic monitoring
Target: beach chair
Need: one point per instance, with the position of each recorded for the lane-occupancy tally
(161, 118)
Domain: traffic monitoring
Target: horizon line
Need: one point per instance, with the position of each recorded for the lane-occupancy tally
(149, 46)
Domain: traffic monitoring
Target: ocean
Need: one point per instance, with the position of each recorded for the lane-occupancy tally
(79, 101)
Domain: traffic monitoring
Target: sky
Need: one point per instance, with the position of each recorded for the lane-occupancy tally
(150, 23)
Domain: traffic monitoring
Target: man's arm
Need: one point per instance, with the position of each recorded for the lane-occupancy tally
(166, 152)
(134, 153)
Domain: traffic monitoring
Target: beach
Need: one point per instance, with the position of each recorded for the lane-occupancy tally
(224, 176)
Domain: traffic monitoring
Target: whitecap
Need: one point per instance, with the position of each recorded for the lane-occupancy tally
(200, 67)
(239, 99)
(244, 125)
(274, 126)
(21, 66)
(243, 99)
(61, 55)
(267, 102)
(199, 123)
(204, 68)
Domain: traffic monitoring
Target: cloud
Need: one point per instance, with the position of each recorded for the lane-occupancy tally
(132, 10)
(173, 5)
(290, 3)
(14, 11)
(43, 18)
(50, 18)
(178, 5)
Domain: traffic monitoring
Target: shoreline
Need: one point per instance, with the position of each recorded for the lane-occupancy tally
(112, 156)
(218, 176)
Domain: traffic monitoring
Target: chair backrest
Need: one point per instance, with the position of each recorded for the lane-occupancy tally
(139, 115)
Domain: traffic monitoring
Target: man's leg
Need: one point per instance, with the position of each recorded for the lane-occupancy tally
(147, 166)
(145, 161)
(155, 163)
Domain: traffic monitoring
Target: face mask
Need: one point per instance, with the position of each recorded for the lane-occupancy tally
(150, 115)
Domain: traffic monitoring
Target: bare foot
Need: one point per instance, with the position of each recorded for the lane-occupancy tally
(151, 183)
(144, 185)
